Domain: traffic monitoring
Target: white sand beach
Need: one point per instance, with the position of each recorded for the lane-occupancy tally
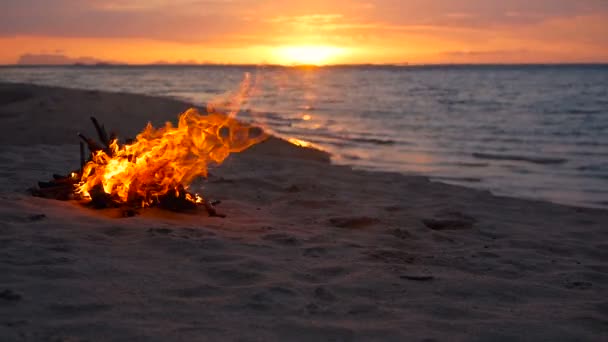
(309, 251)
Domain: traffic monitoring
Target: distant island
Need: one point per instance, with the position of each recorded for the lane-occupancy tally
(58, 59)
(54, 59)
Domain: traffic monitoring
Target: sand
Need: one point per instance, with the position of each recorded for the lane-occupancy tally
(309, 251)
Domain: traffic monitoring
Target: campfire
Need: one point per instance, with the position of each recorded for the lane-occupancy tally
(154, 169)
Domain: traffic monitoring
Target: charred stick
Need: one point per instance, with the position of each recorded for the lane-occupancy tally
(101, 132)
(93, 146)
(62, 193)
(58, 182)
(113, 137)
(128, 211)
(211, 209)
(82, 160)
(45, 186)
(51, 184)
(100, 199)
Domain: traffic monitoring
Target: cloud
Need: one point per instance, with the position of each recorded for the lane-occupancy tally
(183, 21)
(481, 13)
(208, 20)
(481, 53)
(500, 56)
(400, 28)
(312, 19)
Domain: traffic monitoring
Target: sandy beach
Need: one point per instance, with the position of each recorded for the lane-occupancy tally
(309, 251)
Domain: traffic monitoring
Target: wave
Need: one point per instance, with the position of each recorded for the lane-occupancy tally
(374, 141)
(593, 167)
(584, 111)
(514, 157)
(465, 164)
(457, 179)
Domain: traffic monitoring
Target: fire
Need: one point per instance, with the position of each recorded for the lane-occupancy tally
(166, 160)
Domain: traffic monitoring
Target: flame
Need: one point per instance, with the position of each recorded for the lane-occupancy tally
(233, 103)
(169, 158)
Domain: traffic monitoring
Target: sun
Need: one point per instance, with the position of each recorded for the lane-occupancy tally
(308, 54)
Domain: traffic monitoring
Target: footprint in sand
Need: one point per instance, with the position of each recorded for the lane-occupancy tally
(162, 231)
(452, 220)
(233, 276)
(401, 234)
(315, 251)
(78, 309)
(324, 294)
(579, 285)
(391, 256)
(10, 296)
(36, 217)
(329, 272)
(353, 222)
(201, 291)
(282, 239)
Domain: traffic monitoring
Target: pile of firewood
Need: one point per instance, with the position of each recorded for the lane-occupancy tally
(63, 187)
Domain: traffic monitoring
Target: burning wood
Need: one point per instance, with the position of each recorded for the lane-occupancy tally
(154, 169)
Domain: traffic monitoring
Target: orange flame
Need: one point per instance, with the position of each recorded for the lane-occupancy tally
(168, 158)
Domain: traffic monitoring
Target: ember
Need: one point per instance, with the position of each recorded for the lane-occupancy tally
(156, 168)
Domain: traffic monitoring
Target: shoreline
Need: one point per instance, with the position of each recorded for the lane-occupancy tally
(308, 251)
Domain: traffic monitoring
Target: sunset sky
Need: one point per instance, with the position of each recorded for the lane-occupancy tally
(306, 32)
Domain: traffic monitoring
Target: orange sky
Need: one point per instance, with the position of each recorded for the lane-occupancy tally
(312, 31)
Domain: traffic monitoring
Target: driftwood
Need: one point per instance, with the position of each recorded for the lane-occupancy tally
(101, 132)
(82, 158)
(92, 144)
(63, 187)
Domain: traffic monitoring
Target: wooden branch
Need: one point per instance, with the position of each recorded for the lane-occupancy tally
(101, 132)
(211, 209)
(62, 192)
(82, 158)
(92, 144)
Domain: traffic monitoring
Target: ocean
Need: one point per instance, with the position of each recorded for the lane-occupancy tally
(538, 132)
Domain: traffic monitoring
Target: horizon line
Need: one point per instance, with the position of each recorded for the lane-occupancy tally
(404, 64)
